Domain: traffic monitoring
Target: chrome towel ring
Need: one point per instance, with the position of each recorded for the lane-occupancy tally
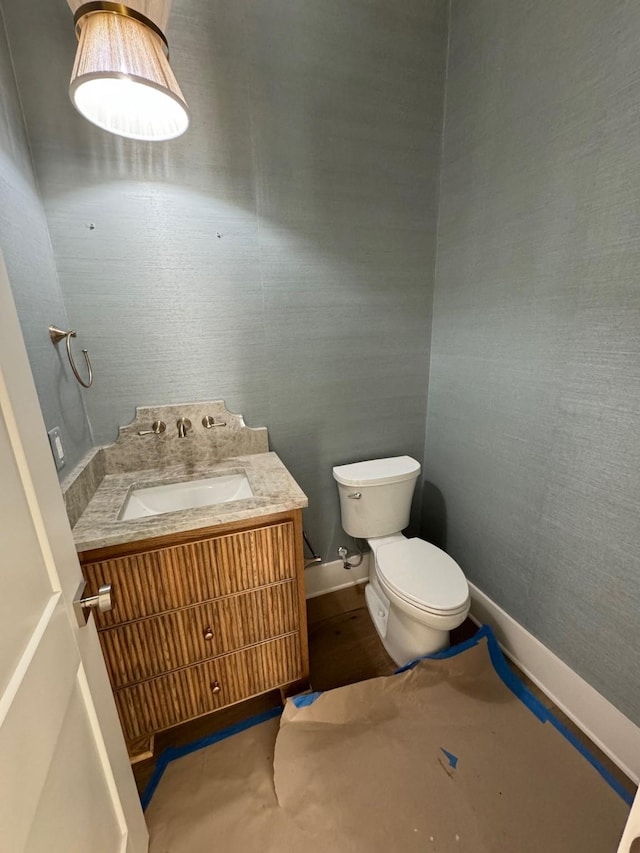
(56, 336)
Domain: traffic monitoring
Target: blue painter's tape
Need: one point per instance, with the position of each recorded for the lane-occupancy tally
(502, 668)
(511, 680)
(453, 759)
(305, 699)
(171, 753)
(545, 715)
(450, 652)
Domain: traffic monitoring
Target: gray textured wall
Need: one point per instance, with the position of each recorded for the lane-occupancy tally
(25, 244)
(533, 437)
(280, 255)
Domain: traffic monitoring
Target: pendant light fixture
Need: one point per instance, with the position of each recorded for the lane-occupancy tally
(121, 79)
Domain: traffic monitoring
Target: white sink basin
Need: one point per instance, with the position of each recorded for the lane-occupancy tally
(153, 500)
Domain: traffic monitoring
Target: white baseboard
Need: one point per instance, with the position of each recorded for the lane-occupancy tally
(601, 721)
(329, 577)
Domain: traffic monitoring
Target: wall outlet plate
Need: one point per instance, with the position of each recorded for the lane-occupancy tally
(56, 447)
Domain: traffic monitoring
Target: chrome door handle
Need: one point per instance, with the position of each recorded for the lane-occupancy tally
(83, 605)
(355, 496)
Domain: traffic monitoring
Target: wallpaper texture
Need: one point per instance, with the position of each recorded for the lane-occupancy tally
(26, 247)
(280, 255)
(533, 444)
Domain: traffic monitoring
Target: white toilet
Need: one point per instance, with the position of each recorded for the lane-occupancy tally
(416, 593)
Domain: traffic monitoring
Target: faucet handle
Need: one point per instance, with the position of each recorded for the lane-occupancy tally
(157, 428)
(208, 422)
(184, 425)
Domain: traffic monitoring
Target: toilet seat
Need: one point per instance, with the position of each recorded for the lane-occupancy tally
(423, 576)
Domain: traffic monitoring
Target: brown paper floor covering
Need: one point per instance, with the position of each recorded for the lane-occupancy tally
(362, 770)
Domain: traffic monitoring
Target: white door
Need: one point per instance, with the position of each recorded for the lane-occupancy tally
(630, 841)
(65, 782)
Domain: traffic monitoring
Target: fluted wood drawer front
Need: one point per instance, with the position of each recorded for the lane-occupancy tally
(161, 580)
(151, 647)
(163, 702)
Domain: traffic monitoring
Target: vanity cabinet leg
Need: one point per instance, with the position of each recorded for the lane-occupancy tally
(140, 749)
(294, 689)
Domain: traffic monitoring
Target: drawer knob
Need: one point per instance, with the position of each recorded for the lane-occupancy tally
(208, 634)
(215, 687)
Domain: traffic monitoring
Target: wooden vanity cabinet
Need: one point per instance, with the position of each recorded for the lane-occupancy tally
(201, 620)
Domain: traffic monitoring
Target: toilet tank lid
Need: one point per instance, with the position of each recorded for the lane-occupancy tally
(375, 472)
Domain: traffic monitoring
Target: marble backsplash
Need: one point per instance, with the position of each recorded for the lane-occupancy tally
(80, 485)
(133, 452)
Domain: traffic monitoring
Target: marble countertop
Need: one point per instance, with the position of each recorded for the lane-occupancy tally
(274, 490)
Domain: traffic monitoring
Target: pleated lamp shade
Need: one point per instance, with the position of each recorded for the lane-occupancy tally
(122, 80)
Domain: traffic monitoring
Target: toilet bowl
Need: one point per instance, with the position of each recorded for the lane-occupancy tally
(416, 592)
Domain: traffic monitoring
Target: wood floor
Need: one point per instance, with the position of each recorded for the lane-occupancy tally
(343, 648)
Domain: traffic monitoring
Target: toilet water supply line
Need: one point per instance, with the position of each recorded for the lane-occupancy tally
(343, 554)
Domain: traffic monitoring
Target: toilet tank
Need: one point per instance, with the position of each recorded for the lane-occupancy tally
(375, 496)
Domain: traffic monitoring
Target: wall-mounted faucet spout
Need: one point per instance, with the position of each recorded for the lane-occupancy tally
(184, 425)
